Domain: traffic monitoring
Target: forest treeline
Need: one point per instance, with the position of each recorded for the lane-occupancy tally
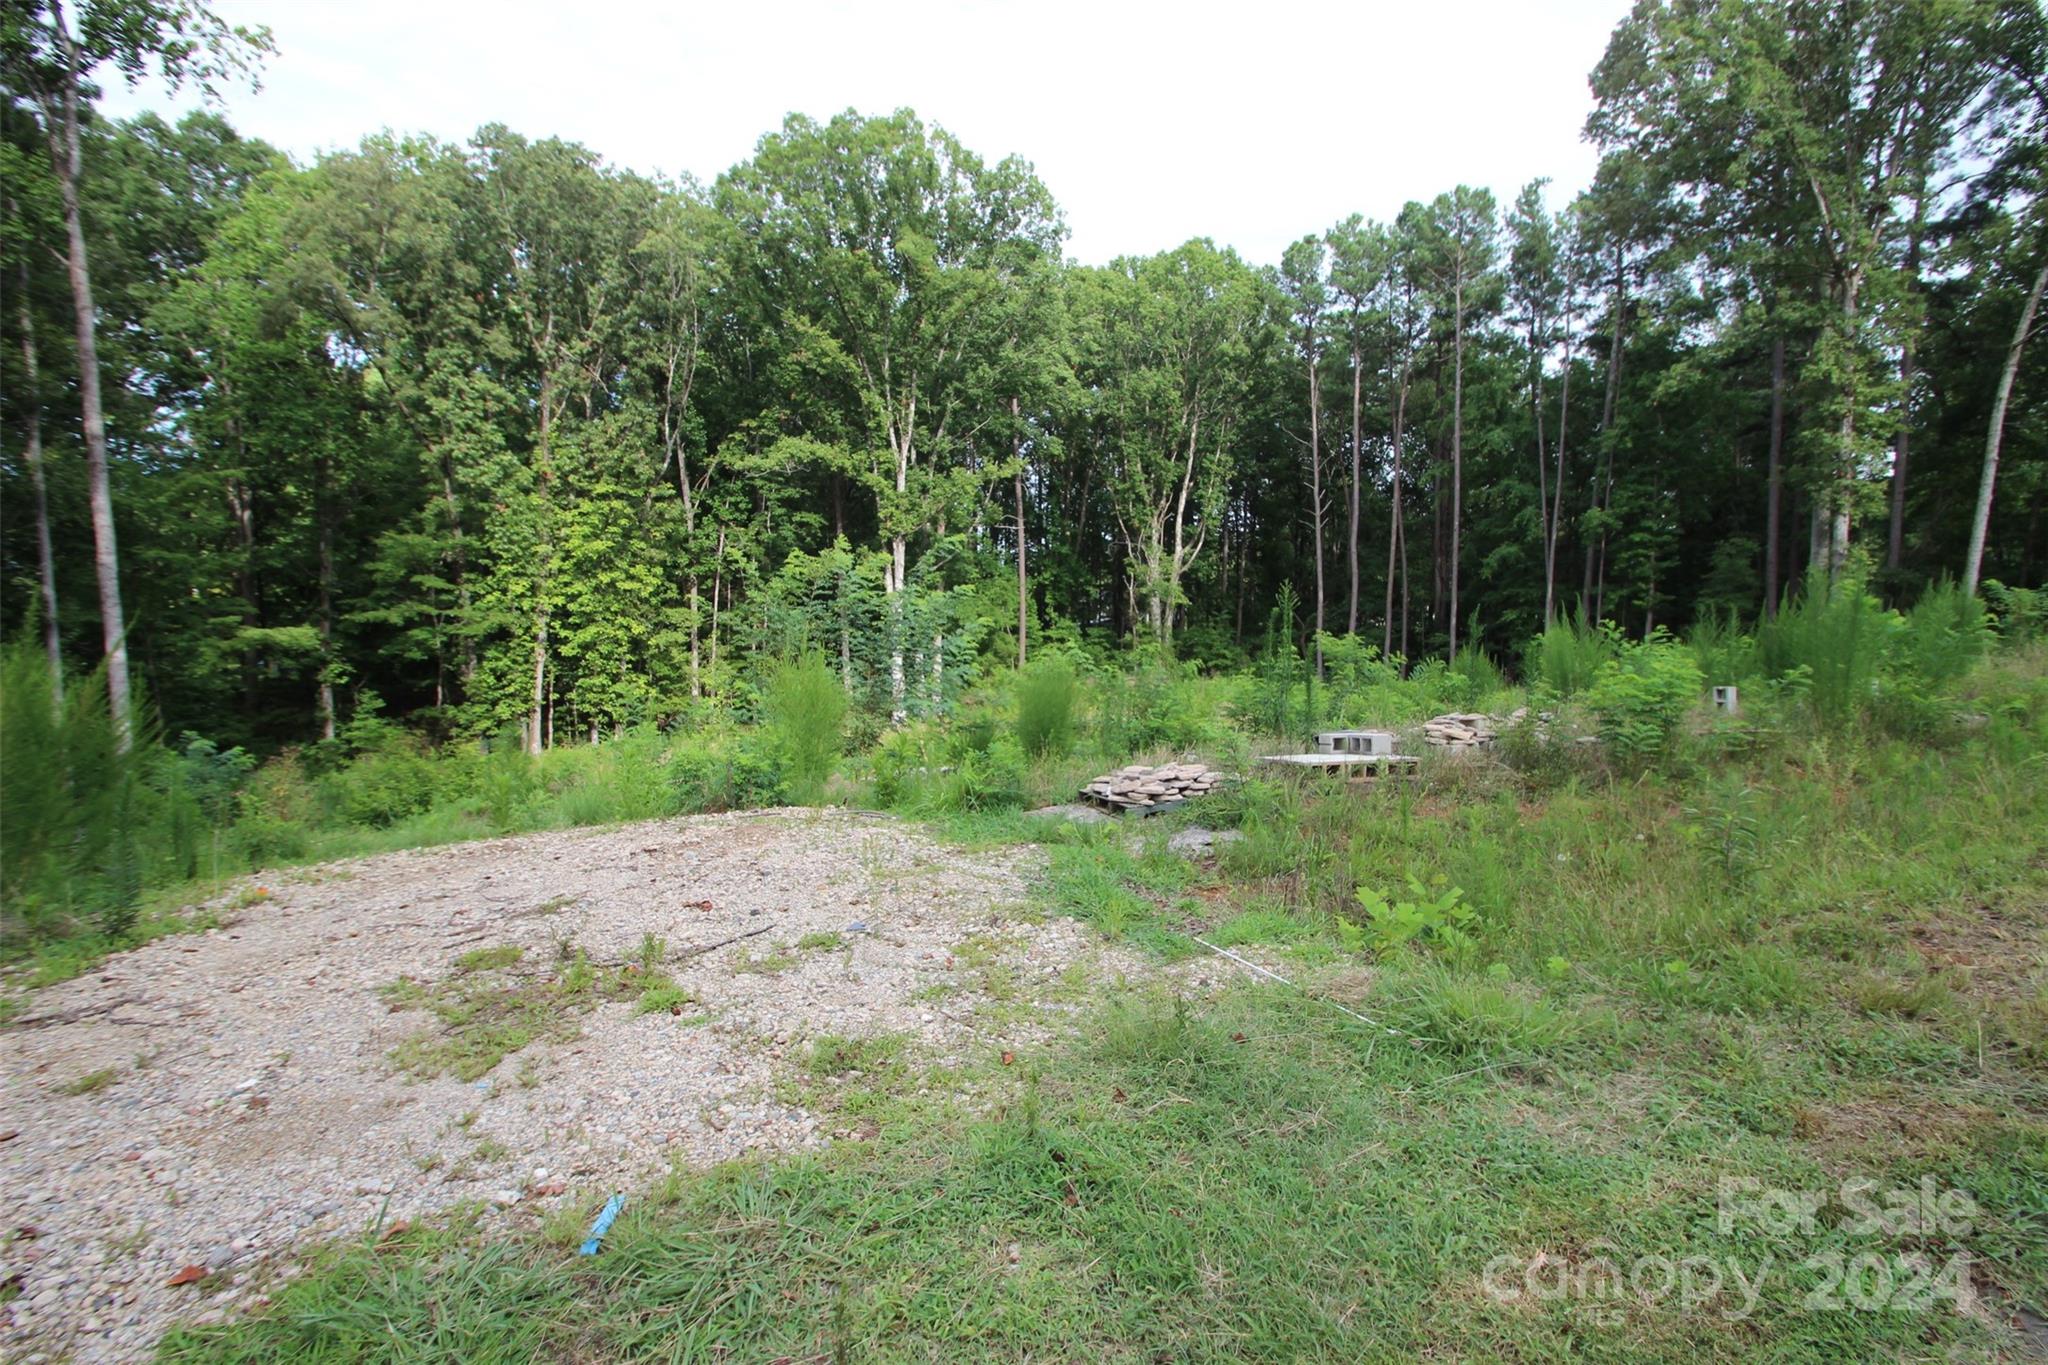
(496, 433)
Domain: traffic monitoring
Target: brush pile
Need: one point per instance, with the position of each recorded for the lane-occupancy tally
(1140, 788)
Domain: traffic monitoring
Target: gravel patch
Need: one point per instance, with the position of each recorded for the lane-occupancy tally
(252, 1107)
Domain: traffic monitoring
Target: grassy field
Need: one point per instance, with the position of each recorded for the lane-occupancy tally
(1739, 1054)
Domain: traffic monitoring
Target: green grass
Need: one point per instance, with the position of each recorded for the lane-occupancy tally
(89, 1084)
(1258, 1178)
(485, 1011)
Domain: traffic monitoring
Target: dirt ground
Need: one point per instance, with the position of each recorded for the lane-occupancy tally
(214, 1100)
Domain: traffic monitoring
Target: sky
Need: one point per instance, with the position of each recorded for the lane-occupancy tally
(1249, 124)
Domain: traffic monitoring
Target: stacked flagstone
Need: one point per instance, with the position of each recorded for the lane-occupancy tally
(1140, 788)
(1459, 730)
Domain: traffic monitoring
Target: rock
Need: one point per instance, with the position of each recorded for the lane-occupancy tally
(1195, 841)
(1073, 811)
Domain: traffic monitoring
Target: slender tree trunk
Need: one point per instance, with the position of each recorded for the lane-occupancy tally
(1397, 524)
(1564, 408)
(717, 584)
(1843, 495)
(66, 160)
(1542, 446)
(1315, 484)
(1351, 533)
(1457, 447)
(1592, 592)
(1023, 572)
(540, 733)
(1895, 543)
(323, 522)
(1774, 498)
(46, 563)
(1980, 524)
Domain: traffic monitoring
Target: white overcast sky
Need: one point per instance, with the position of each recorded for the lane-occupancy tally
(1251, 124)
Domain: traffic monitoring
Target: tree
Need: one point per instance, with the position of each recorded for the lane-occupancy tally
(1302, 282)
(1460, 246)
(42, 56)
(888, 240)
(1166, 343)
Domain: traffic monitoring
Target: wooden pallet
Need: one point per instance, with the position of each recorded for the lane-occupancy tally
(1364, 769)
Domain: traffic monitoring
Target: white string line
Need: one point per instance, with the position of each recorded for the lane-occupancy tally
(1341, 1009)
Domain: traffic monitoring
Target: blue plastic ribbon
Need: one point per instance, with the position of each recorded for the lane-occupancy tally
(603, 1224)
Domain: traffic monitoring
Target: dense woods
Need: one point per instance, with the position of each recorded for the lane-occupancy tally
(498, 434)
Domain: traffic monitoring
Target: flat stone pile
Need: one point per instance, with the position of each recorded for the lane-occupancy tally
(1459, 730)
(1141, 788)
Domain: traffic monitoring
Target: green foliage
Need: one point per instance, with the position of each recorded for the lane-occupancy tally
(1946, 634)
(1726, 654)
(1836, 636)
(1567, 656)
(1643, 693)
(79, 827)
(2020, 614)
(1048, 694)
(1436, 917)
(386, 786)
(804, 711)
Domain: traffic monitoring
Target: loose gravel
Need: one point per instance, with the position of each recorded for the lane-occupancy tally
(252, 1107)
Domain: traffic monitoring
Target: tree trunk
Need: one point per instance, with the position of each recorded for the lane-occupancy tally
(717, 584)
(1397, 536)
(1895, 543)
(1980, 524)
(46, 563)
(1351, 537)
(1023, 572)
(323, 521)
(1843, 496)
(65, 159)
(1564, 402)
(1457, 446)
(1542, 457)
(1774, 501)
(1593, 591)
(1315, 486)
(541, 733)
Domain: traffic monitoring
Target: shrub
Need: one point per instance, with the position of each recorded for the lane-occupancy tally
(720, 772)
(1945, 635)
(1437, 917)
(1566, 657)
(1839, 633)
(382, 788)
(2021, 613)
(1642, 694)
(76, 822)
(987, 780)
(1046, 694)
(804, 708)
(903, 762)
(1725, 653)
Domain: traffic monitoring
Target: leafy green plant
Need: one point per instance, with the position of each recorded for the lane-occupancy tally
(1642, 693)
(1047, 693)
(1836, 631)
(1944, 636)
(1567, 656)
(804, 707)
(1436, 916)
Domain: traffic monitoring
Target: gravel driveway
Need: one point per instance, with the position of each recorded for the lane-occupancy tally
(216, 1099)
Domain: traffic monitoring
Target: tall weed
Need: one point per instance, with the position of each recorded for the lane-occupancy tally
(804, 707)
(1047, 696)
